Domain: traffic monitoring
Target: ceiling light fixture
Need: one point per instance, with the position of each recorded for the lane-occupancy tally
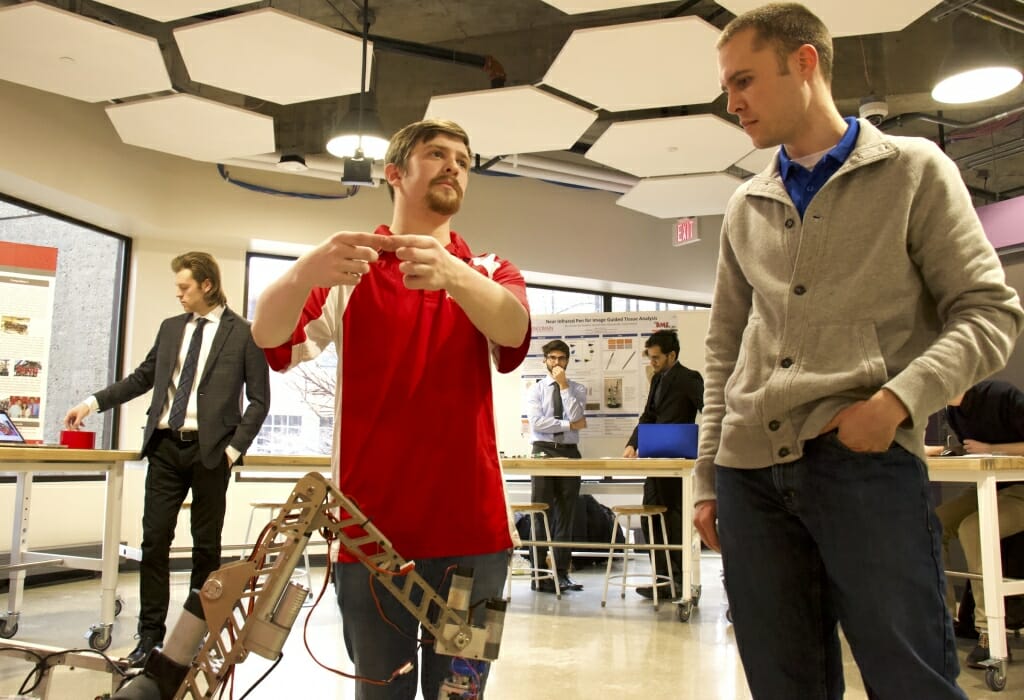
(293, 163)
(976, 66)
(359, 136)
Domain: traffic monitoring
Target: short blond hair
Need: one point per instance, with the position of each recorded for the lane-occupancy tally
(788, 26)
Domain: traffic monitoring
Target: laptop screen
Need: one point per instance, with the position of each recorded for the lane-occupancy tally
(9, 434)
(667, 440)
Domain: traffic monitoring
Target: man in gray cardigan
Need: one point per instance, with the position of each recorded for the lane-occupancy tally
(856, 292)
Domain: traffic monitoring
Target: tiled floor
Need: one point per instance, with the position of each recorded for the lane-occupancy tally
(567, 649)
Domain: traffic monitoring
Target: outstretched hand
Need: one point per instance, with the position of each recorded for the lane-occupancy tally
(342, 259)
(74, 418)
(425, 264)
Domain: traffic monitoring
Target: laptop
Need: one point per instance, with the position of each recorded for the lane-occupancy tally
(667, 440)
(10, 436)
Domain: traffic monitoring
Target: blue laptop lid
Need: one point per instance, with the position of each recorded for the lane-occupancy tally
(667, 440)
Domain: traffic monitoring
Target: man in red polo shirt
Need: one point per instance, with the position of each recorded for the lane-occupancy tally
(416, 318)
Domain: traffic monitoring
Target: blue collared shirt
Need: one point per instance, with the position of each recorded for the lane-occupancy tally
(802, 184)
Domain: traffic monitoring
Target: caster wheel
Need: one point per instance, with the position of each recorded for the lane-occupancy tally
(995, 678)
(695, 595)
(8, 630)
(100, 639)
(118, 606)
(683, 611)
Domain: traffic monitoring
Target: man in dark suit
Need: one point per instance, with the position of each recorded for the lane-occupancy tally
(195, 431)
(676, 395)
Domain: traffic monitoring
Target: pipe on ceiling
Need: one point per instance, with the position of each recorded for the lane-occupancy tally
(899, 119)
(327, 168)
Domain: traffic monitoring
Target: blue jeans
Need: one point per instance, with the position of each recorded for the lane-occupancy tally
(837, 536)
(377, 648)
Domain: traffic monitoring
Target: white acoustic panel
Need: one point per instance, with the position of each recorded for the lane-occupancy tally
(576, 7)
(168, 10)
(193, 127)
(686, 195)
(640, 65)
(64, 53)
(274, 56)
(757, 160)
(852, 18)
(521, 119)
(699, 143)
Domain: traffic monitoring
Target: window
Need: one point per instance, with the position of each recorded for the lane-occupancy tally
(302, 399)
(84, 333)
(638, 304)
(546, 300)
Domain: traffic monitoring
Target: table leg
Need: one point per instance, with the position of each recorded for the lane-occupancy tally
(19, 544)
(100, 635)
(992, 566)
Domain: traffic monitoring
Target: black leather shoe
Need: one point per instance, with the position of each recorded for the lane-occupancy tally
(645, 592)
(546, 586)
(137, 658)
(567, 584)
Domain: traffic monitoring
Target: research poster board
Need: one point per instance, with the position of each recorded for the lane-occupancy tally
(27, 276)
(607, 356)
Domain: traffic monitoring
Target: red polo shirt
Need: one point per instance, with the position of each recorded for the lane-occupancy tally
(416, 445)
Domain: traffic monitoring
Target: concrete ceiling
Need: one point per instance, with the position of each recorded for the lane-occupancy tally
(527, 36)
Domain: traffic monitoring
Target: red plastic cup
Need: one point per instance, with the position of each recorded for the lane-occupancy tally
(78, 439)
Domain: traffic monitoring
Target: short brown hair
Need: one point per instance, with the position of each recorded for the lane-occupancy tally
(559, 345)
(408, 137)
(787, 25)
(203, 267)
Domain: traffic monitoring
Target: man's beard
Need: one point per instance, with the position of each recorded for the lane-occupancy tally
(444, 201)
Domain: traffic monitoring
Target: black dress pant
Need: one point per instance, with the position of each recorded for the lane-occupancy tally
(667, 491)
(174, 468)
(561, 493)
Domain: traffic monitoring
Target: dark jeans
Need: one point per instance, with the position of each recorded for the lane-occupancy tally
(561, 493)
(381, 635)
(837, 536)
(174, 468)
(667, 491)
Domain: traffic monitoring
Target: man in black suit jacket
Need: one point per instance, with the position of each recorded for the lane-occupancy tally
(195, 430)
(676, 395)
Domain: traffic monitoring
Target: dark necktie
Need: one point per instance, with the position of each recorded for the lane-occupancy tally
(556, 403)
(176, 418)
(656, 388)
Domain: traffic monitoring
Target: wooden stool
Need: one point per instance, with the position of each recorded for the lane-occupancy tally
(536, 571)
(624, 516)
(272, 509)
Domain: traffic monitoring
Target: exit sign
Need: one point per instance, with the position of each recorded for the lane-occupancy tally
(685, 231)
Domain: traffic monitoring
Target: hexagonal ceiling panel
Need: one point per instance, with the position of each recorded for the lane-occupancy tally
(700, 143)
(273, 55)
(852, 18)
(688, 195)
(61, 52)
(621, 67)
(576, 7)
(164, 11)
(521, 119)
(193, 127)
(757, 160)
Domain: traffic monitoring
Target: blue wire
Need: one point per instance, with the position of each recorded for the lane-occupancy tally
(351, 192)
